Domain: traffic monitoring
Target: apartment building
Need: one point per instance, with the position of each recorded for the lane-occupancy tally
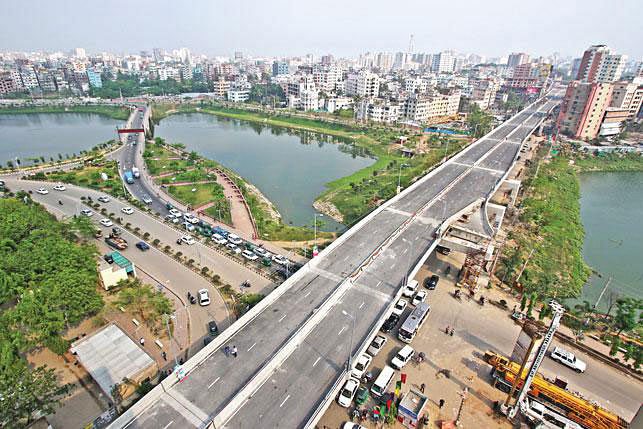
(415, 84)
(326, 78)
(280, 67)
(444, 62)
(94, 78)
(613, 121)
(517, 58)
(598, 64)
(220, 87)
(583, 109)
(363, 84)
(442, 105)
(238, 95)
(309, 99)
(332, 104)
(483, 92)
(372, 110)
(7, 85)
(628, 96)
(530, 75)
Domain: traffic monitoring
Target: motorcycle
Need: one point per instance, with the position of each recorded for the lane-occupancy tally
(191, 298)
(457, 294)
(60, 202)
(481, 301)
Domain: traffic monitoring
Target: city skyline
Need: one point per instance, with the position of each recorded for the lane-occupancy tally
(259, 31)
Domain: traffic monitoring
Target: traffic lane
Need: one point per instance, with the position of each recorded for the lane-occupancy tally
(489, 328)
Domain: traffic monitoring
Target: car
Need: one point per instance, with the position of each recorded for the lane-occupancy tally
(262, 252)
(443, 250)
(190, 218)
(410, 288)
(42, 191)
(399, 307)
(103, 199)
(204, 297)
(109, 258)
(142, 245)
(390, 323)
(87, 212)
(351, 425)
(377, 345)
(249, 255)
(106, 222)
(233, 248)
(431, 282)
(188, 226)
(568, 358)
(213, 329)
(419, 297)
(234, 239)
(219, 239)
(147, 199)
(59, 188)
(186, 239)
(176, 213)
(362, 395)
(170, 218)
(347, 393)
(127, 210)
(361, 366)
(281, 260)
(403, 356)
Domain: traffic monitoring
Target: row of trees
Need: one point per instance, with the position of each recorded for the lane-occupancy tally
(130, 86)
(47, 284)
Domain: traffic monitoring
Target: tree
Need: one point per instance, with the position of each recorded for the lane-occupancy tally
(628, 314)
(81, 226)
(26, 391)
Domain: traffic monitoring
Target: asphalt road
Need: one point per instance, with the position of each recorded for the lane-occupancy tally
(284, 397)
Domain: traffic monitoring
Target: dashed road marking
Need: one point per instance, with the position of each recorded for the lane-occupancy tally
(317, 360)
(168, 425)
(251, 347)
(282, 318)
(341, 330)
(362, 305)
(284, 401)
(212, 384)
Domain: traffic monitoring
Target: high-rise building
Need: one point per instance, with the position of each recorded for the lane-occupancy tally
(279, 67)
(628, 96)
(238, 56)
(79, 52)
(94, 79)
(583, 109)
(444, 62)
(363, 84)
(517, 58)
(600, 65)
(384, 61)
(575, 67)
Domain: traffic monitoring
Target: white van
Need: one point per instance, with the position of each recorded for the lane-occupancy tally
(410, 288)
(382, 381)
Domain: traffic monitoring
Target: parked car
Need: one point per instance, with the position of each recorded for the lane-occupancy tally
(218, 239)
(172, 219)
(402, 357)
(190, 218)
(568, 358)
(142, 245)
(42, 191)
(127, 210)
(347, 393)
(399, 307)
(249, 255)
(188, 226)
(262, 252)
(213, 329)
(204, 297)
(103, 199)
(176, 213)
(376, 345)
(410, 288)
(59, 188)
(431, 282)
(106, 222)
(186, 239)
(443, 250)
(233, 248)
(234, 239)
(419, 297)
(361, 366)
(147, 199)
(280, 259)
(109, 258)
(390, 323)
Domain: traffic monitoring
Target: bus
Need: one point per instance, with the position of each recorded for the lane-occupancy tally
(414, 322)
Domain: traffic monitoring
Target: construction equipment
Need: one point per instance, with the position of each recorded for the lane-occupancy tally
(471, 270)
(580, 410)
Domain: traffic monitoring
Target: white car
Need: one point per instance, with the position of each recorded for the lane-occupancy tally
(249, 255)
(204, 297)
(402, 357)
(188, 226)
(351, 425)
(172, 219)
(262, 252)
(376, 345)
(127, 210)
(87, 212)
(42, 191)
(280, 259)
(190, 218)
(234, 239)
(188, 240)
(219, 239)
(103, 199)
(410, 288)
(568, 358)
(347, 393)
(176, 213)
(59, 188)
(106, 222)
(234, 248)
(419, 297)
(361, 366)
(399, 307)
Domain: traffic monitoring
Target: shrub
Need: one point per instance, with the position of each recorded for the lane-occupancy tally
(156, 242)
(204, 271)
(167, 249)
(146, 235)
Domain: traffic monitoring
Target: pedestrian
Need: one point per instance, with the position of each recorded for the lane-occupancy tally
(441, 403)
(142, 341)
(226, 350)
(164, 355)
(422, 387)
(234, 351)
(451, 332)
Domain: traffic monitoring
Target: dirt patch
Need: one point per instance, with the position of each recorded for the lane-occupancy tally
(329, 209)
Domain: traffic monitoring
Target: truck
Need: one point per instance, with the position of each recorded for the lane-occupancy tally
(136, 173)
(116, 242)
(128, 177)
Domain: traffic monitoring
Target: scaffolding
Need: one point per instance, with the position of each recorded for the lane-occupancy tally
(470, 272)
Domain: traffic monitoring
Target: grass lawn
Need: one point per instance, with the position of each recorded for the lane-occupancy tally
(188, 176)
(204, 193)
(220, 212)
(89, 177)
(167, 166)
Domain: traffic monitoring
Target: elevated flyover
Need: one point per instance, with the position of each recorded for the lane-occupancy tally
(295, 345)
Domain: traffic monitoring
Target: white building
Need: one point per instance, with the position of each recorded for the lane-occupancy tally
(372, 110)
(415, 84)
(363, 84)
(309, 99)
(333, 104)
(444, 62)
(238, 95)
(600, 65)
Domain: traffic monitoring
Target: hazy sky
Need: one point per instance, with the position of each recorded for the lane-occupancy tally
(341, 27)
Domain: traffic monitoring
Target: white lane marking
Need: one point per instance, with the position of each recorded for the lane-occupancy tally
(378, 284)
(168, 425)
(341, 330)
(282, 317)
(212, 384)
(251, 347)
(284, 401)
(362, 305)
(405, 250)
(307, 294)
(318, 359)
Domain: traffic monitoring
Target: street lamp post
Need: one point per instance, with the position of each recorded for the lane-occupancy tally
(315, 227)
(167, 325)
(399, 176)
(349, 360)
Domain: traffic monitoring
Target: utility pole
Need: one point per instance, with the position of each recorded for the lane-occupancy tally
(603, 291)
(169, 335)
(463, 396)
(524, 265)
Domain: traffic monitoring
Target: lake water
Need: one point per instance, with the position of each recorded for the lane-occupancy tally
(611, 211)
(48, 134)
(290, 167)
